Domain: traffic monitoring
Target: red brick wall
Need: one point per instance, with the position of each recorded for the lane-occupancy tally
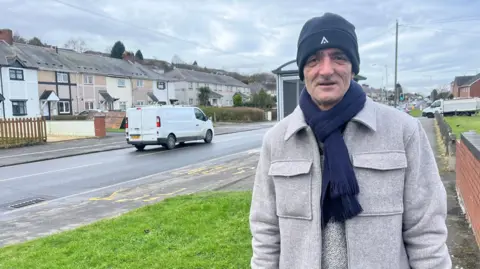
(475, 89)
(464, 92)
(6, 35)
(468, 184)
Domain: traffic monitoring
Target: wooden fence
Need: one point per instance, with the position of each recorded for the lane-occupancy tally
(24, 131)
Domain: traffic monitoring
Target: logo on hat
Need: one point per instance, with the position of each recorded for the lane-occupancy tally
(324, 41)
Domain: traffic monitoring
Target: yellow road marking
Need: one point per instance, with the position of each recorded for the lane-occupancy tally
(109, 198)
(153, 198)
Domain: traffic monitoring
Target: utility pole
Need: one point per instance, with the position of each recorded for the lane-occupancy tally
(386, 84)
(396, 62)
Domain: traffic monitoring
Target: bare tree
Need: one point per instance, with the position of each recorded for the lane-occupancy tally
(17, 38)
(77, 45)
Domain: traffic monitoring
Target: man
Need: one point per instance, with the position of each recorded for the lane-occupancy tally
(344, 182)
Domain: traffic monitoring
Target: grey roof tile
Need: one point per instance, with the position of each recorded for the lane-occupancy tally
(471, 80)
(461, 80)
(203, 77)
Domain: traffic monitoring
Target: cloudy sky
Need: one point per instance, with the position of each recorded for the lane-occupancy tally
(438, 39)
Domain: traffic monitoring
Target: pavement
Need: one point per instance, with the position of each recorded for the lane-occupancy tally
(113, 141)
(461, 242)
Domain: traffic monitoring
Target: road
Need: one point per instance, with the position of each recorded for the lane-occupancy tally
(73, 176)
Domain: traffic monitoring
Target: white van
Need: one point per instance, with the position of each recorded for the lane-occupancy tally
(166, 126)
(461, 106)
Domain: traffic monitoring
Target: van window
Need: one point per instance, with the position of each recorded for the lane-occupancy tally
(436, 104)
(199, 114)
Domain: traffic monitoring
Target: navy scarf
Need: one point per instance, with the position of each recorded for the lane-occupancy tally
(339, 183)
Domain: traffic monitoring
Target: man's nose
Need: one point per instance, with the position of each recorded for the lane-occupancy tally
(325, 67)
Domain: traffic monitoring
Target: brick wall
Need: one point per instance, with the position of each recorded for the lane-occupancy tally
(468, 178)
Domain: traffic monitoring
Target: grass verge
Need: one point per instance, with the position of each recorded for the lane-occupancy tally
(113, 130)
(416, 113)
(208, 230)
(460, 124)
(443, 162)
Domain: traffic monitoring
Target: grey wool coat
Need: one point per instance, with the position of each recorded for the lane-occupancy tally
(403, 223)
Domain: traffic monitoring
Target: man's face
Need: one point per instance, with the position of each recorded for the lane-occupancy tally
(327, 77)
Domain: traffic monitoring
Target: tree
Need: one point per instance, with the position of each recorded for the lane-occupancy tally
(35, 41)
(237, 100)
(139, 55)
(434, 95)
(17, 38)
(399, 88)
(262, 99)
(117, 50)
(76, 44)
(204, 95)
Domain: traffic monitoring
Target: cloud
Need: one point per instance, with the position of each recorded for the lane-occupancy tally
(435, 43)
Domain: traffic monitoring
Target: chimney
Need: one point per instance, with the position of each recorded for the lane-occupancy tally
(128, 56)
(6, 35)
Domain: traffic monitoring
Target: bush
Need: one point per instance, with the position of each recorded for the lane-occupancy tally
(234, 114)
(70, 117)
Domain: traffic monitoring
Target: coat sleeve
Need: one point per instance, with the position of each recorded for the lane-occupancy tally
(263, 217)
(425, 206)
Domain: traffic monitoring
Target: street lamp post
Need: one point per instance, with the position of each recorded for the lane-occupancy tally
(386, 81)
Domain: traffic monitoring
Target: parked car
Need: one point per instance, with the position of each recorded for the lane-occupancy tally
(166, 126)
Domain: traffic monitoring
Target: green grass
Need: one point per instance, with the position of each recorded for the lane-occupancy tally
(462, 124)
(416, 113)
(207, 230)
(114, 130)
(8, 142)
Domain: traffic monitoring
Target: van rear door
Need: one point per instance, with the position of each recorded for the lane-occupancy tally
(134, 117)
(151, 122)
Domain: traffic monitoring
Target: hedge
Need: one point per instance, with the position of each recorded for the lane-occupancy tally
(70, 117)
(234, 114)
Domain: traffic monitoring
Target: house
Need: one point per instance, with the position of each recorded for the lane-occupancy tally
(270, 89)
(85, 81)
(457, 83)
(466, 86)
(158, 91)
(223, 87)
(18, 86)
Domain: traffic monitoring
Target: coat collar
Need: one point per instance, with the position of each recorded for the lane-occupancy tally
(367, 116)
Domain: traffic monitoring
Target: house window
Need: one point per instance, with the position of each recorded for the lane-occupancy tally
(87, 79)
(88, 105)
(140, 103)
(64, 107)
(62, 77)
(16, 74)
(123, 106)
(19, 107)
(121, 83)
(161, 85)
(190, 85)
(139, 83)
(190, 101)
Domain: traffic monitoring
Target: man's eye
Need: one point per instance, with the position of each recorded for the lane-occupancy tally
(312, 60)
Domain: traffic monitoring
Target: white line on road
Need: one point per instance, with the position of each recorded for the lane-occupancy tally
(56, 150)
(126, 182)
(49, 172)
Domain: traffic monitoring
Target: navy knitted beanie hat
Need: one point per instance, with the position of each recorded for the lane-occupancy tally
(328, 31)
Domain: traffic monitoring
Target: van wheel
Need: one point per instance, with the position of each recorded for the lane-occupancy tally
(208, 136)
(140, 147)
(171, 141)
